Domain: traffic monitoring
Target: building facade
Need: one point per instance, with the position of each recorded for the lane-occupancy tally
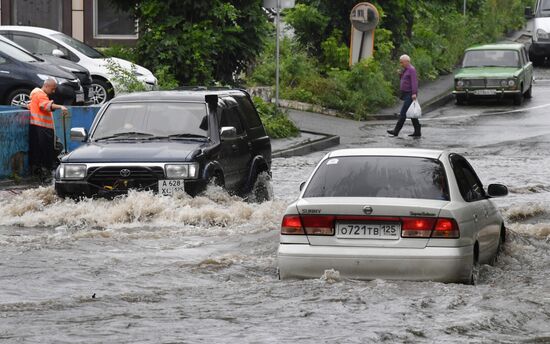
(95, 22)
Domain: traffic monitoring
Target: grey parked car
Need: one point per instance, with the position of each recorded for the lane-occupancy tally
(392, 214)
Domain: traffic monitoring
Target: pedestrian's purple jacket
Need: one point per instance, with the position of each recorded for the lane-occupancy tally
(409, 80)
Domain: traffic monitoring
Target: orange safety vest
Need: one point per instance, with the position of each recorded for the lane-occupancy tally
(41, 109)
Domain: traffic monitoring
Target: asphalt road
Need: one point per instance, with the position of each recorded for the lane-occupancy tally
(150, 269)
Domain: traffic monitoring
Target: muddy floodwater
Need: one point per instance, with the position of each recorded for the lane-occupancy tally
(151, 269)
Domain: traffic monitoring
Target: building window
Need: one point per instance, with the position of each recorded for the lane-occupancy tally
(112, 23)
(46, 13)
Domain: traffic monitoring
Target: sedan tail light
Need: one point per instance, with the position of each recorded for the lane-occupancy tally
(417, 227)
(292, 225)
(446, 228)
(411, 227)
(420, 227)
(318, 225)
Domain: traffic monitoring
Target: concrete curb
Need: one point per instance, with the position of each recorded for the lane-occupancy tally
(325, 142)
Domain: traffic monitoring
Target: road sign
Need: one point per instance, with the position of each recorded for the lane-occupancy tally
(282, 3)
(364, 18)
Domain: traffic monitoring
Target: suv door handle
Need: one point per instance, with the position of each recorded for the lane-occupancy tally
(475, 218)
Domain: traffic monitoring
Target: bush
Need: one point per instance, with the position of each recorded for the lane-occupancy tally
(276, 123)
(371, 89)
(122, 52)
(166, 80)
(125, 80)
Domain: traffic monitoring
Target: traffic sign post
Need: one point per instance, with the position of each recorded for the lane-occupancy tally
(364, 18)
(278, 5)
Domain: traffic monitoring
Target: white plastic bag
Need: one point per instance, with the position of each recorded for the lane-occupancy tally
(414, 110)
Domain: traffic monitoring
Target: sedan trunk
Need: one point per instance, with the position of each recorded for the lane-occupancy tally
(366, 222)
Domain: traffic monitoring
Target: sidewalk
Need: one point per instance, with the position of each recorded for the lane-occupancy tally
(431, 95)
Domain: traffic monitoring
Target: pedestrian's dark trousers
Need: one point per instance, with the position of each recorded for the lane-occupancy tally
(407, 101)
(41, 147)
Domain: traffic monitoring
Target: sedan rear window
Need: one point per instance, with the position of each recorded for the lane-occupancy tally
(380, 176)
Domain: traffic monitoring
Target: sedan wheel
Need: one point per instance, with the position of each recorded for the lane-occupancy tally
(20, 98)
(99, 93)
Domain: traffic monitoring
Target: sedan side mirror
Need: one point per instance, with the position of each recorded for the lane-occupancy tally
(302, 184)
(528, 12)
(228, 133)
(497, 190)
(58, 53)
(79, 134)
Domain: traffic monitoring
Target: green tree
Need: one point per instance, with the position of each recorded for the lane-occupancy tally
(200, 42)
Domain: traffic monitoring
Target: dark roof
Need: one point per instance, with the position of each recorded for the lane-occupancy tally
(194, 96)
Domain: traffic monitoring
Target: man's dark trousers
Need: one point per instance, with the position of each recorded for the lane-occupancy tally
(407, 101)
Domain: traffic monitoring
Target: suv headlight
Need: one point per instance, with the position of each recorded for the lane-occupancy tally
(72, 171)
(460, 83)
(511, 83)
(541, 34)
(182, 171)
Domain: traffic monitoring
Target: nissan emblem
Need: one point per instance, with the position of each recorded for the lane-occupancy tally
(367, 210)
(125, 172)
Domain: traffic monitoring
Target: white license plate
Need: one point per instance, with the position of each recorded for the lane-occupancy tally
(485, 92)
(169, 187)
(386, 231)
(80, 97)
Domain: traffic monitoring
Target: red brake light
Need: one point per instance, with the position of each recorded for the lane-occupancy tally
(446, 228)
(318, 225)
(292, 225)
(417, 227)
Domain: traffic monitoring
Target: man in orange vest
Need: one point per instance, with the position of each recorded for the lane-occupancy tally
(42, 130)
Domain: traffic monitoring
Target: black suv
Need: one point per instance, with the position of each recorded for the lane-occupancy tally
(169, 141)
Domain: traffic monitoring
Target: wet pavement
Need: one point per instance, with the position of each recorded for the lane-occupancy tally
(150, 269)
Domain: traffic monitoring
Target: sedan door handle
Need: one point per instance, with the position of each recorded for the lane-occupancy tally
(235, 148)
(475, 218)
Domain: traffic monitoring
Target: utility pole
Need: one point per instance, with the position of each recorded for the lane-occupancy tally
(464, 9)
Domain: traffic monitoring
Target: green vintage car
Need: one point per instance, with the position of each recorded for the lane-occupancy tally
(496, 71)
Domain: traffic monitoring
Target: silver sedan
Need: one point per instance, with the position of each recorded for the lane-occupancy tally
(406, 214)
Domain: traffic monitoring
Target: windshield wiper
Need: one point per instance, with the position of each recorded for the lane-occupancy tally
(128, 133)
(186, 136)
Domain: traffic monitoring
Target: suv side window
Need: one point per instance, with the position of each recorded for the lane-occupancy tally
(38, 45)
(230, 118)
(469, 185)
(248, 111)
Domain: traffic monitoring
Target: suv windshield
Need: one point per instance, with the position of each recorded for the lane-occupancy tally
(149, 120)
(15, 53)
(379, 176)
(79, 46)
(543, 9)
(491, 58)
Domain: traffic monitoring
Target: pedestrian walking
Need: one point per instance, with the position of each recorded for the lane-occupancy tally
(42, 130)
(409, 90)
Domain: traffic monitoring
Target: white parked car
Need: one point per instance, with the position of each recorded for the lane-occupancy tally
(404, 214)
(49, 42)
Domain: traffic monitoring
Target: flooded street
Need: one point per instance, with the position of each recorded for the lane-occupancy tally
(152, 269)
